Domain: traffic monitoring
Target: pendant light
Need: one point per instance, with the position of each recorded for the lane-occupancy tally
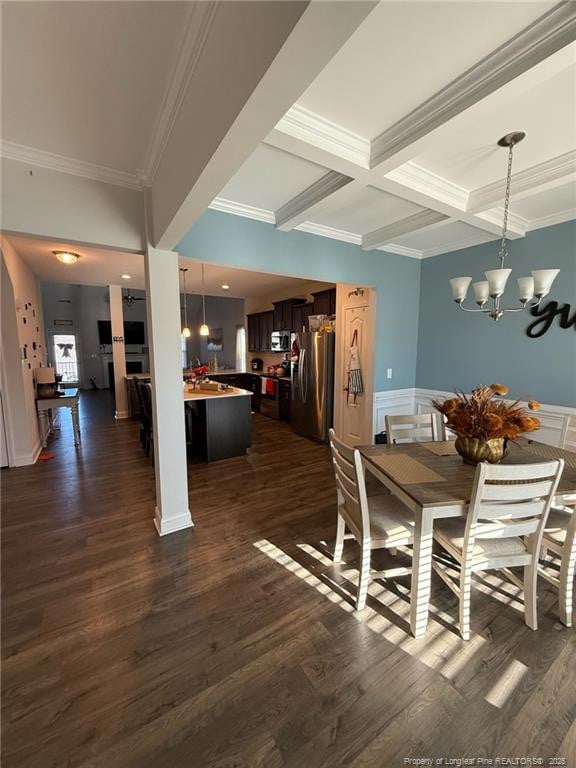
(530, 289)
(204, 330)
(185, 330)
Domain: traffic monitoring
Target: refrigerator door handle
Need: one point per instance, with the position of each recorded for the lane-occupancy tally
(303, 391)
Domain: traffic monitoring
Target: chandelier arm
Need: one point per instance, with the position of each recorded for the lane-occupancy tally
(467, 309)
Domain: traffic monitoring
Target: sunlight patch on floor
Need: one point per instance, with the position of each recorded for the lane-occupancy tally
(501, 691)
(441, 649)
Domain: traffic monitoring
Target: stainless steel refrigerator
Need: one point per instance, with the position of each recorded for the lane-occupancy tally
(312, 405)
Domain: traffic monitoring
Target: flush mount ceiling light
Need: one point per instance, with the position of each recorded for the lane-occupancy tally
(125, 277)
(185, 330)
(225, 287)
(66, 257)
(204, 330)
(531, 289)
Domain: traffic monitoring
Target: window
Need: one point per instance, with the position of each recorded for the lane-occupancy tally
(184, 351)
(66, 357)
(240, 348)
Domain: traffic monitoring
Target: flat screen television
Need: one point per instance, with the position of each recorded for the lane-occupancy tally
(133, 332)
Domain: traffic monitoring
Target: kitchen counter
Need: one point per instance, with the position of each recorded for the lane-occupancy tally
(199, 394)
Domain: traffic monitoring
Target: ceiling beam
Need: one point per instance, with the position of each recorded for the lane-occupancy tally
(210, 138)
(541, 39)
(551, 173)
(295, 211)
(418, 221)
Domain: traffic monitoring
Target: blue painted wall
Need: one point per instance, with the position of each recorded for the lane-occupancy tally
(456, 349)
(226, 239)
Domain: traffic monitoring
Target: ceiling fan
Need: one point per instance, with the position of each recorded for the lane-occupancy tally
(130, 299)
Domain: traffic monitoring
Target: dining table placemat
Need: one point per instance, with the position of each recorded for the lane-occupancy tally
(405, 469)
(441, 447)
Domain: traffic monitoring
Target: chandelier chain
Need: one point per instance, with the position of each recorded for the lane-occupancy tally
(503, 248)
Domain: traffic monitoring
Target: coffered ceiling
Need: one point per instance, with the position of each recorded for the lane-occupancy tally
(394, 145)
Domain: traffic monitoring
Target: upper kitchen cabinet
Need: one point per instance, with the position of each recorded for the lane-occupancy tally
(260, 327)
(284, 314)
(325, 302)
(300, 315)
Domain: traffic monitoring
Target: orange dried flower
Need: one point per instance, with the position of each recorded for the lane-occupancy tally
(449, 406)
(494, 422)
(499, 389)
(534, 405)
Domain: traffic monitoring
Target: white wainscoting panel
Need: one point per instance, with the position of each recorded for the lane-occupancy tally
(406, 401)
(395, 401)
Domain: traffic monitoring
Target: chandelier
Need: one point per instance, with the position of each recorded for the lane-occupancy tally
(531, 289)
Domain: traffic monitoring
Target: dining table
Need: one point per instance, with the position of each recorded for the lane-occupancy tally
(434, 482)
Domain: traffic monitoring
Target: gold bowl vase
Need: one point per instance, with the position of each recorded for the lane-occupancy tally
(474, 450)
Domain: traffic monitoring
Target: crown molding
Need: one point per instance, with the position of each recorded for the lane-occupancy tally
(240, 209)
(294, 212)
(517, 225)
(53, 162)
(384, 235)
(461, 245)
(431, 185)
(552, 219)
(197, 25)
(402, 250)
(313, 129)
(334, 234)
(541, 39)
(550, 172)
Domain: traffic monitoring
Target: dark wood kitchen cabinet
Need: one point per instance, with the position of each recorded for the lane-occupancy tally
(300, 315)
(325, 302)
(285, 314)
(260, 327)
(284, 399)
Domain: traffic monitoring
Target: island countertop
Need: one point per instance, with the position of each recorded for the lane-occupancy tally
(199, 394)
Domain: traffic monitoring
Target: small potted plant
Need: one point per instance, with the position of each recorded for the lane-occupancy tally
(484, 422)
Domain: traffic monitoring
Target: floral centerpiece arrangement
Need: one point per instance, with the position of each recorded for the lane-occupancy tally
(483, 422)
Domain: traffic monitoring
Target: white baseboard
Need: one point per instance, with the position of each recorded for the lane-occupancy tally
(121, 415)
(25, 459)
(173, 524)
(417, 400)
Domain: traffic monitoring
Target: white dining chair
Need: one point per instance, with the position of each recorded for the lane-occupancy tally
(376, 522)
(568, 434)
(503, 528)
(559, 538)
(413, 428)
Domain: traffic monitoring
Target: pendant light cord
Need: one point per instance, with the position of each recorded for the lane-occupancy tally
(203, 298)
(185, 302)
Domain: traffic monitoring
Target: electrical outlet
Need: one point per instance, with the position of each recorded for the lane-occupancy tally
(389, 373)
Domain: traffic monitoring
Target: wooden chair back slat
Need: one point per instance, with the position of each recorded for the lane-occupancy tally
(351, 486)
(502, 506)
(568, 434)
(417, 427)
(516, 492)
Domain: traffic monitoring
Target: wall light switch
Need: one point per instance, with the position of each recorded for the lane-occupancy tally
(389, 373)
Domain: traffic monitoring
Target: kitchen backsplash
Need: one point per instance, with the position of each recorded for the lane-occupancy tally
(268, 358)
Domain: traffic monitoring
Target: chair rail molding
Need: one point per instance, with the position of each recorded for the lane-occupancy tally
(418, 400)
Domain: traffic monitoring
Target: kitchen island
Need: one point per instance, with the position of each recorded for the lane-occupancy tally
(218, 424)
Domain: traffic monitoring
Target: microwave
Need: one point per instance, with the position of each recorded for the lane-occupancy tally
(280, 341)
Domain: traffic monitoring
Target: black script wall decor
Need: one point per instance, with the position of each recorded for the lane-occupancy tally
(545, 317)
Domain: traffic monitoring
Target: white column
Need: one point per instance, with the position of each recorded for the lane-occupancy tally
(163, 307)
(118, 351)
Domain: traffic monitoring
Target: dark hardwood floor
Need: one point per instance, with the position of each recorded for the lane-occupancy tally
(235, 643)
